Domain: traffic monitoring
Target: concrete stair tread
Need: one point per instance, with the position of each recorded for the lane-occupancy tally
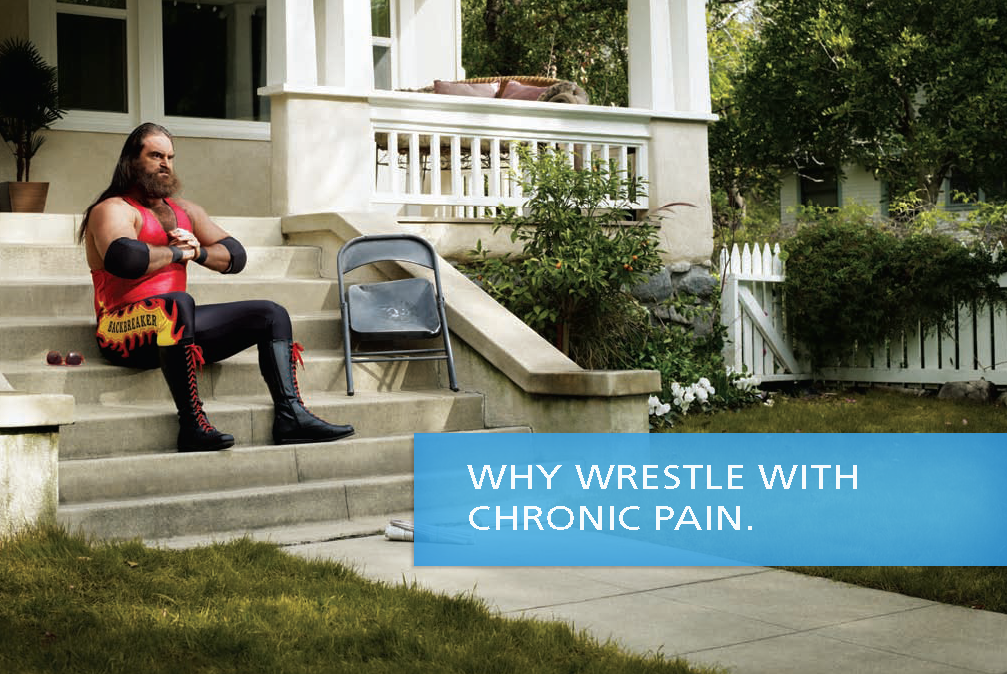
(88, 320)
(246, 508)
(35, 261)
(148, 427)
(174, 473)
(235, 494)
(312, 532)
(329, 399)
(61, 229)
(98, 364)
(194, 280)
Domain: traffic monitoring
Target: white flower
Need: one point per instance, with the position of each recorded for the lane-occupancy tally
(657, 407)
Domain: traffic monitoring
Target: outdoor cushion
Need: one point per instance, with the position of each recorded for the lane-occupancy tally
(481, 89)
(522, 92)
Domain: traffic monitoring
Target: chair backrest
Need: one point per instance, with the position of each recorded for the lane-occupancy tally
(377, 247)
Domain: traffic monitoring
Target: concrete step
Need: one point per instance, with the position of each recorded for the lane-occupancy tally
(291, 534)
(75, 297)
(61, 228)
(109, 430)
(28, 261)
(253, 508)
(166, 474)
(29, 339)
(96, 381)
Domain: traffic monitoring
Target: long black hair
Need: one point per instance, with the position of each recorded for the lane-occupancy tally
(123, 176)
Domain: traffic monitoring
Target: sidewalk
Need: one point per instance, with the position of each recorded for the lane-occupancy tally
(750, 620)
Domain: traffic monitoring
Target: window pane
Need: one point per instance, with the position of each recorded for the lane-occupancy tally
(214, 59)
(820, 187)
(381, 19)
(85, 46)
(114, 4)
(382, 67)
(964, 189)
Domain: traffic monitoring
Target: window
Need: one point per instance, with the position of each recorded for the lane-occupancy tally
(963, 189)
(819, 187)
(381, 41)
(214, 59)
(91, 38)
(193, 65)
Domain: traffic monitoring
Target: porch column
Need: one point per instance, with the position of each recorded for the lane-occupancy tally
(668, 68)
(290, 38)
(668, 73)
(343, 33)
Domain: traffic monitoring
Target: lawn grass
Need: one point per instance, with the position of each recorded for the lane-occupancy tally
(67, 605)
(981, 587)
(852, 411)
(879, 411)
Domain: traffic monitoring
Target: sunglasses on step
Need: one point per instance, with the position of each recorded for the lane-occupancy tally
(56, 358)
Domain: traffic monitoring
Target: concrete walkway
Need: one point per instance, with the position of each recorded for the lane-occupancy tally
(749, 620)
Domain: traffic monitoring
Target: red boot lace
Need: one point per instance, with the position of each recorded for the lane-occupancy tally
(195, 353)
(295, 358)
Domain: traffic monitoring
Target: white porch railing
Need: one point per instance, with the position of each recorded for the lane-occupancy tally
(457, 157)
(754, 311)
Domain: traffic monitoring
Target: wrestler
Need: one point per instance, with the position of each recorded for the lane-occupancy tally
(139, 242)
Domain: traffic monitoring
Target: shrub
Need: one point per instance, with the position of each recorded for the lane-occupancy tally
(849, 282)
(581, 252)
(581, 249)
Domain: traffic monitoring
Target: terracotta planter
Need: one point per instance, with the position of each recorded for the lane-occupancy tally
(27, 197)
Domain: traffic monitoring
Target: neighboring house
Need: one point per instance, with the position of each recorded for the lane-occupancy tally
(823, 187)
(291, 106)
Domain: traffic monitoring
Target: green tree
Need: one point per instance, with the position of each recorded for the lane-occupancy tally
(911, 89)
(735, 181)
(584, 41)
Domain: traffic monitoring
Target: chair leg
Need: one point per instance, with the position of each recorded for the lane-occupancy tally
(347, 347)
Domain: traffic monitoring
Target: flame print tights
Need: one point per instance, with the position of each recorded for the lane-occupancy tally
(131, 335)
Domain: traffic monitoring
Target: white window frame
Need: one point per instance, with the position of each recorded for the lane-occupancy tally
(144, 75)
(390, 43)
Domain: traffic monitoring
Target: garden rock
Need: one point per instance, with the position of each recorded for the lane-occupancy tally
(978, 391)
(700, 325)
(697, 281)
(656, 288)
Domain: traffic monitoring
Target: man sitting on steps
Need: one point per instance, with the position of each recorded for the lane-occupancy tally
(139, 241)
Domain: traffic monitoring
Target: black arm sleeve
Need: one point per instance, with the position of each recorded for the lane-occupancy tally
(237, 251)
(127, 258)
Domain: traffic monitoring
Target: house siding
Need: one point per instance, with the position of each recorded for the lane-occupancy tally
(227, 177)
(860, 187)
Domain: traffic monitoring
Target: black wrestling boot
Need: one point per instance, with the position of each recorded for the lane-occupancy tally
(195, 433)
(292, 423)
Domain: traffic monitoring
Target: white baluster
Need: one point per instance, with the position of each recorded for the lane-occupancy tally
(435, 164)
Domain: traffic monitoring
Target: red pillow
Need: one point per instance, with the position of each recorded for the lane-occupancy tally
(521, 92)
(480, 89)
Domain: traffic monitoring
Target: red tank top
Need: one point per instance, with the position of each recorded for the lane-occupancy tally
(111, 292)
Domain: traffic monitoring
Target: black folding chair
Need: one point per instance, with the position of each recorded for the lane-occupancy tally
(407, 309)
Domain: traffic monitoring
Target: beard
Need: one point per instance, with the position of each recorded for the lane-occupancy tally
(158, 184)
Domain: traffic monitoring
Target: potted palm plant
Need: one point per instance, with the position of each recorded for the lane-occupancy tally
(29, 103)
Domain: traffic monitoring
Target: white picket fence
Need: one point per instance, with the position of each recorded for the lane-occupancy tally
(754, 311)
